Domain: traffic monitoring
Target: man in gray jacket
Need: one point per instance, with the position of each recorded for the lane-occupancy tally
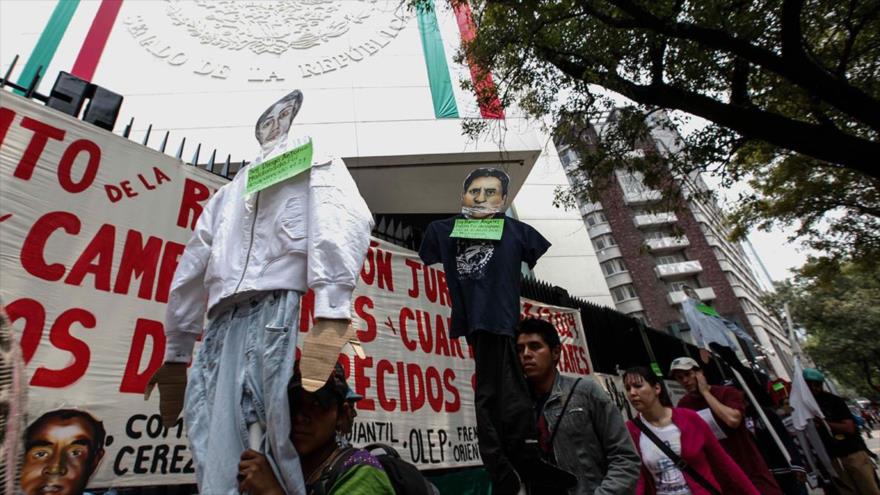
(590, 440)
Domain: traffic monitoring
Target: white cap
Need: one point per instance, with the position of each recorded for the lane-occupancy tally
(682, 364)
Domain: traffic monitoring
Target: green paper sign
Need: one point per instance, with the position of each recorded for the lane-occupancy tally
(709, 310)
(778, 386)
(490, 229)
(280, 168)
(656, 368)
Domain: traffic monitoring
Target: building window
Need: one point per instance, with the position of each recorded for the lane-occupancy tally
(568, 157)
(670, 258)
(596, 218)
(604, 241)
(659, 234)
(622, 293)
(613, 266)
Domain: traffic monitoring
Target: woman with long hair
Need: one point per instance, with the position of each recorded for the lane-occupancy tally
(697, 465)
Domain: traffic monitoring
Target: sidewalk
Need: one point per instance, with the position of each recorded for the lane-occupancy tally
(873, 443)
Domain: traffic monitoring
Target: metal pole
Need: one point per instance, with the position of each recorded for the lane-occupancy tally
(761, 414)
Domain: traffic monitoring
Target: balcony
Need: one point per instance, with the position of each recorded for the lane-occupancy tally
(641, 197)
(618, 279)
(667, 244)
(598, 229)
(630, 306)
(678, 296)
(654, 219)
(608, 254)
(680, 269)
(713, 240)
(587, 208)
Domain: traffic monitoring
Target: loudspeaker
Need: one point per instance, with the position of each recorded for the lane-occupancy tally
(103, 108)
(68, 94)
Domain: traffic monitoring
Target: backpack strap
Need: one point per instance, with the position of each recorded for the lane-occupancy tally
(331, 473)
(675, 458)
(562, 412)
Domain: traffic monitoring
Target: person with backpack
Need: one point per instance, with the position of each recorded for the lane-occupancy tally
(680, 454)
(580, 428)
(330, 465)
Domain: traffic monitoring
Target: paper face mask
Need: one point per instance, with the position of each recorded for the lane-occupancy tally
(484, 193)
(274, 124)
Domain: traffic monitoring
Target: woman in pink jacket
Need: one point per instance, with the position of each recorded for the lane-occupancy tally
(689, 437)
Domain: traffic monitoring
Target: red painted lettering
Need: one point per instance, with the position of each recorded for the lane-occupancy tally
(60, 337)
(194, 193)
(361, 305)
(406, 314)
(448, 378)
(362, 382)
(170, 257)
(415, 267)
(138, 260)
(32, 250)
(133, 381)
(384, 366)
(96, 259)
(416, 386)
(42, 134)
(65, 166)
(34, 321)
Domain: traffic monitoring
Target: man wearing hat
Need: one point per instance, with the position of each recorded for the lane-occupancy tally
(725, 406)
(854, 467)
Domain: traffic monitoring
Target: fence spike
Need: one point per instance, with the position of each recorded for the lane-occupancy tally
(195, 159)
(147, 135)
(128, 127)
(164, 142)
(180, 149)
(34, 82)
(225, 170)
(210, 167)
(9, 71)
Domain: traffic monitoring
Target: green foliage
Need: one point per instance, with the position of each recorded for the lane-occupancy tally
(790, 92)
(837, 305)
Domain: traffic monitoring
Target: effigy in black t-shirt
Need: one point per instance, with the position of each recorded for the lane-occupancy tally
(483, 276)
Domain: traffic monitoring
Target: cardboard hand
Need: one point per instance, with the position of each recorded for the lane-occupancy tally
(171, 379)
(320, 351)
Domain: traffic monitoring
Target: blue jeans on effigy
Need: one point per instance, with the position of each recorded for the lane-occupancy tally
(240, 376)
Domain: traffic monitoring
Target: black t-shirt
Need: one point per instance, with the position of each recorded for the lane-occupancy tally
(483, 276)
(834, 408)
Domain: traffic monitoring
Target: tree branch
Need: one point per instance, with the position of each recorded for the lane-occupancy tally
(800, 70)
(751, 122)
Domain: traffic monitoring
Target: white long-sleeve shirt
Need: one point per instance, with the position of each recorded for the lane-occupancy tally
(309, 232)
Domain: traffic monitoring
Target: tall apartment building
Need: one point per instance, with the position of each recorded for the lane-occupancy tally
(648, 254)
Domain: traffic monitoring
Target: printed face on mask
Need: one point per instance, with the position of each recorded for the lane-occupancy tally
(61, 457)
(484, 196)
(276, 124)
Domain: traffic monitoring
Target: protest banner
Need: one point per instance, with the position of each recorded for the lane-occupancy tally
(91, 228)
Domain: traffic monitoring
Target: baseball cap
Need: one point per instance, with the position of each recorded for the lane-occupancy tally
(336, 387)
(682, 364)
(813, 375)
